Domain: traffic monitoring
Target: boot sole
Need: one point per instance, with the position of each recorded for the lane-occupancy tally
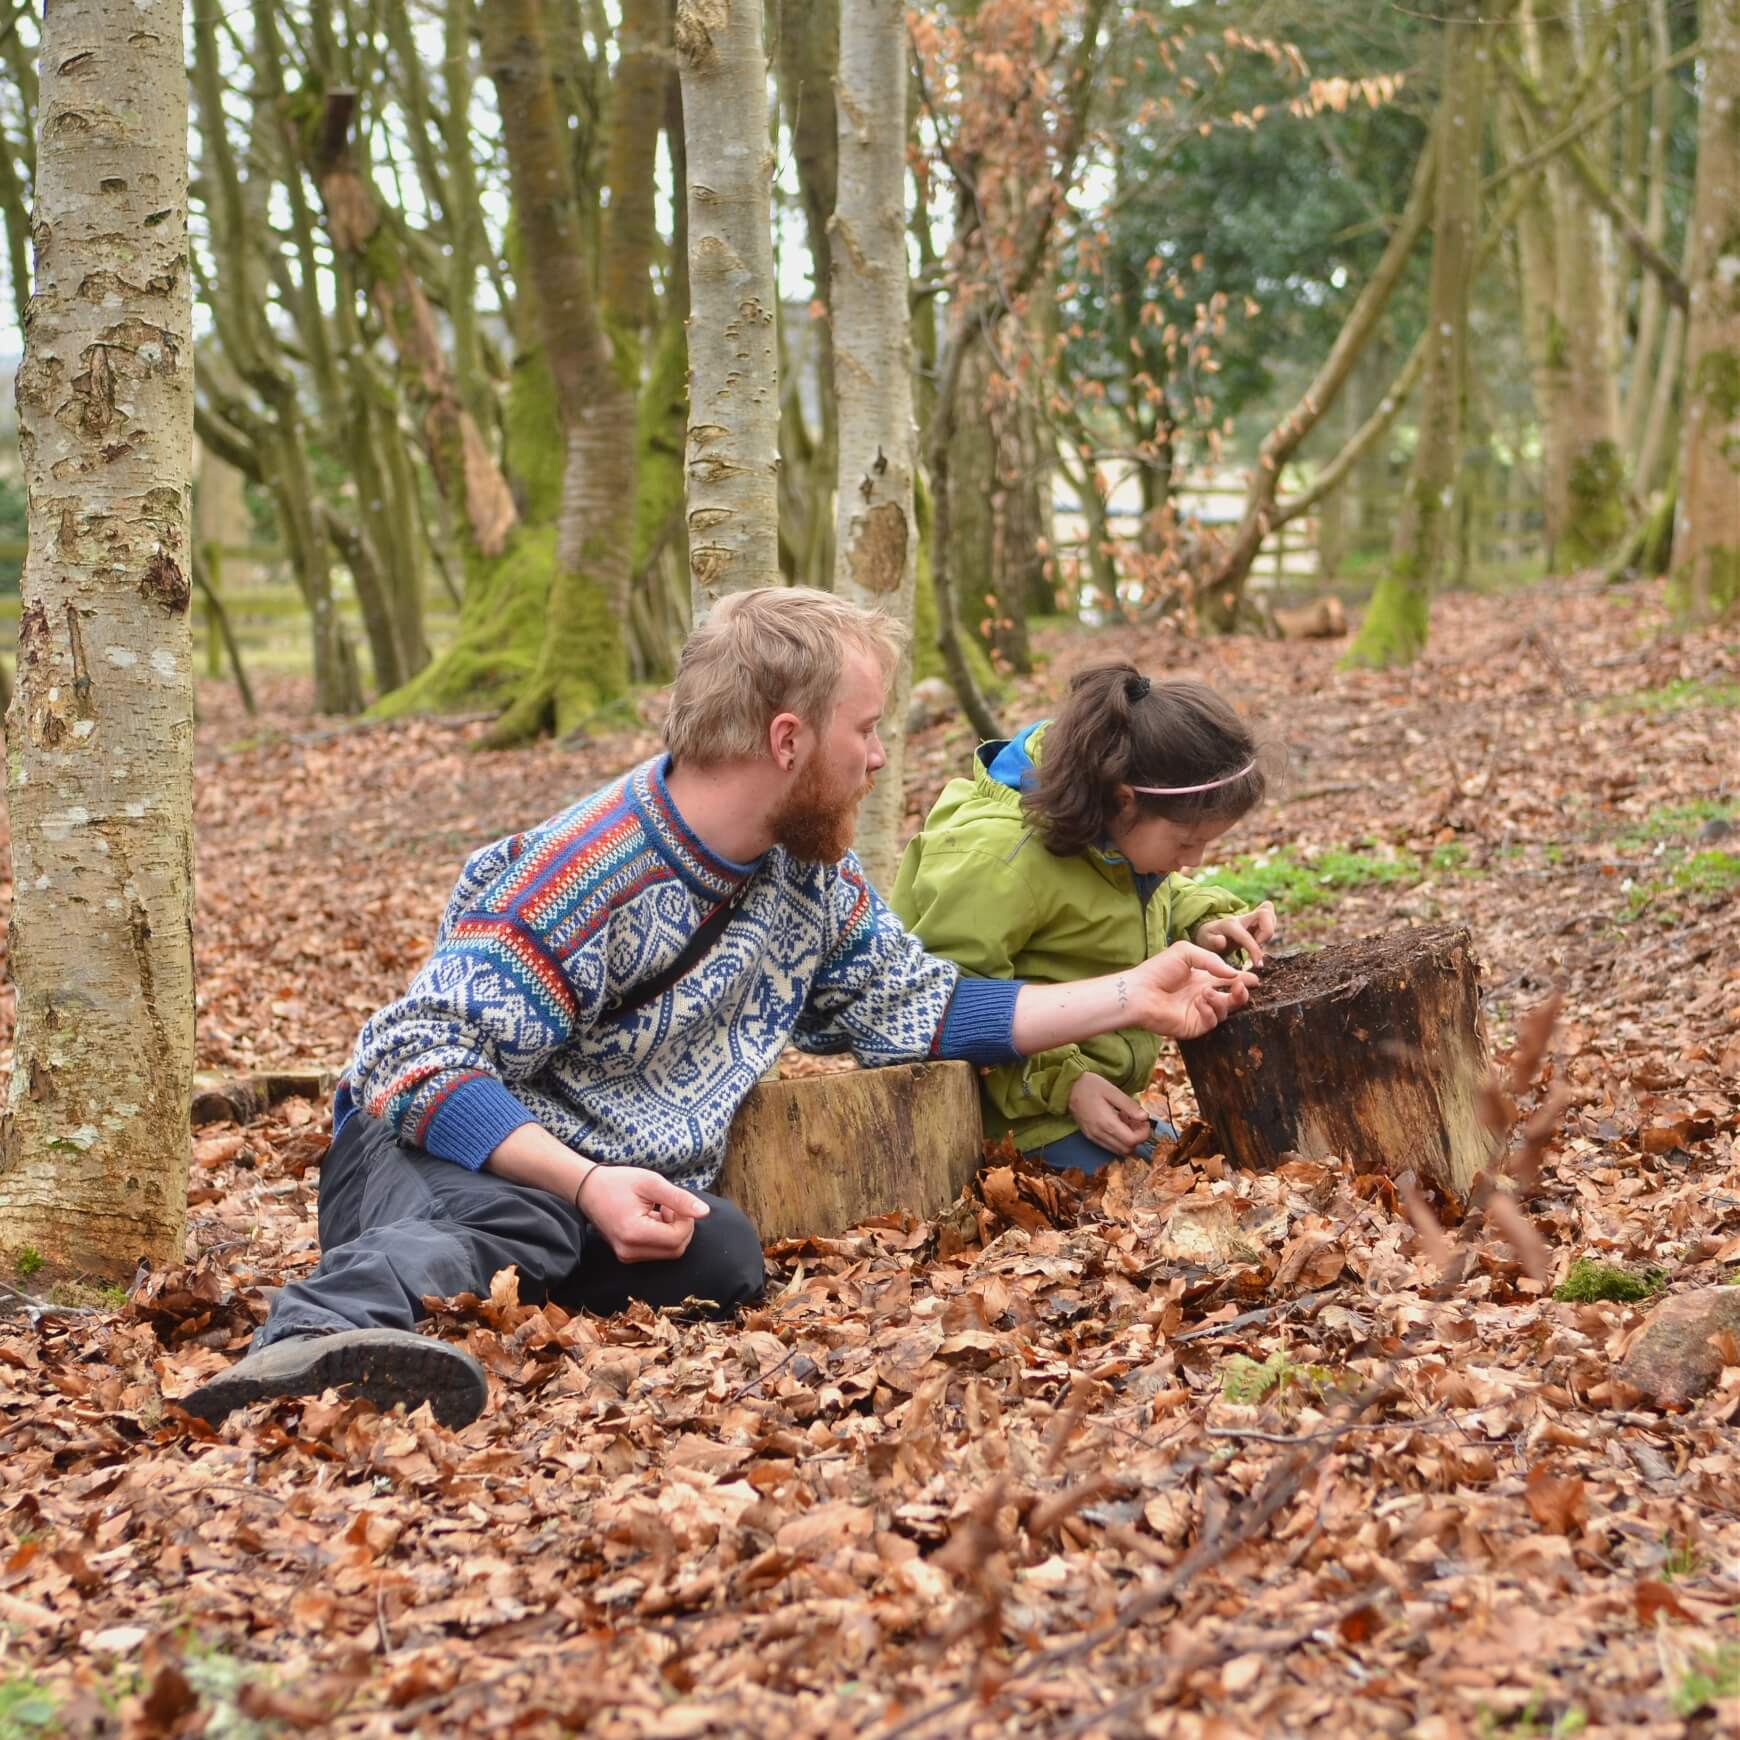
(411, 1369)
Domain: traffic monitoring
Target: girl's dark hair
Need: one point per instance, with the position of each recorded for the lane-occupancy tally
(1117, 728)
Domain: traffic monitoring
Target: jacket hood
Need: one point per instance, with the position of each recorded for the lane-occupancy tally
(1014, 761)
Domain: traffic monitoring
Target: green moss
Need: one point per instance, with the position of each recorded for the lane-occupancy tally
(1597, 513)
(1558, 347)
(502, 629)
(1708, 585)
(1588, 1280)
(1717, 383)
(534, 438)
(1395, 627)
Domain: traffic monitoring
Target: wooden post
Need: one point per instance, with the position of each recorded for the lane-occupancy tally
(819, 1155)
(1373, 1051)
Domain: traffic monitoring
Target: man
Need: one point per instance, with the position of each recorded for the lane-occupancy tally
(555, 1089)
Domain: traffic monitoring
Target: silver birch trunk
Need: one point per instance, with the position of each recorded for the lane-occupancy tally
(93, 1165)
(1706, 567)
(875, 532)
(732, 460)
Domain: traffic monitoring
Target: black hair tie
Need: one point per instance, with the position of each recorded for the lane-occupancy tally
(1136, 689)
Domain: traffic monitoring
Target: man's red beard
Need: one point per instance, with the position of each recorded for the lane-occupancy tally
(815, 820)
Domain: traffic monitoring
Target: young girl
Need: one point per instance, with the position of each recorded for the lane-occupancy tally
(1058, 859)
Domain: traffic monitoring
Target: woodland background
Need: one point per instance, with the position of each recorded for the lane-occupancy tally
(1214, 324)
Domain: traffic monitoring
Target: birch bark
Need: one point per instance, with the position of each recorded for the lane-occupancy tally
(94, 1153)
(732, 461)
(875, 534)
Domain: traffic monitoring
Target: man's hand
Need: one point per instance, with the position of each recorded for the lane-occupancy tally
(1185, 991)
(643, 1216)
(1244, 930)
(1108, 1115)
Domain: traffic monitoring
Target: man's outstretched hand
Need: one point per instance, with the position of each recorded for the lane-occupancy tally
(1185, 991)
(644, 1217)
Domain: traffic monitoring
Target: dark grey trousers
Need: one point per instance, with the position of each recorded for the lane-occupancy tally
(398, 1225)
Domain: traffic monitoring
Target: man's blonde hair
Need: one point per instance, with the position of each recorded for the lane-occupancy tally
(776, 649)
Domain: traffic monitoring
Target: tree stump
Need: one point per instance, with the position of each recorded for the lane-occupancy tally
(819, 1155)
(1372, 1051)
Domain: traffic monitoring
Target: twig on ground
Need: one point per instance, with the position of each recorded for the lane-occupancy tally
(1276, 1491)
(1245, 1319)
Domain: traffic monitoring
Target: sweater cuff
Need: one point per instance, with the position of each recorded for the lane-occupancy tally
(979, 1024)
(472, 1121)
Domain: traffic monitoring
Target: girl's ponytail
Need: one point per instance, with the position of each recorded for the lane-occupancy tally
(1118, 729)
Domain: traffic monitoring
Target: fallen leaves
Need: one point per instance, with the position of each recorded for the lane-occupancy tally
(912, 1489)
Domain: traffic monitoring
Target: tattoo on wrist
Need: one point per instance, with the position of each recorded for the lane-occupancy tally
(1123, 993)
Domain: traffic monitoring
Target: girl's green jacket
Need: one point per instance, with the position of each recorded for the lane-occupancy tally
(979, 887)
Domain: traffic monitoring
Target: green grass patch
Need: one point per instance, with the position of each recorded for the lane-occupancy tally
(1714, 1675)
(1680, 1560)
(1702, 876)
(1296, 883)
(1588, 1280)
(1679, 820)
(28, 1262)
(1678, 696)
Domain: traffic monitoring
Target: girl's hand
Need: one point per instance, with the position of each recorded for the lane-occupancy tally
(1108, 1115)
(1245, 930)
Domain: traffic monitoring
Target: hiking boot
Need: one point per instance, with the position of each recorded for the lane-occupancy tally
(384, 1366)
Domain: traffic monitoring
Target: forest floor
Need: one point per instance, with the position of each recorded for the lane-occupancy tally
(1031, 1469)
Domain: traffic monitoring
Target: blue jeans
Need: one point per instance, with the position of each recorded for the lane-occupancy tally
(1086, 1155)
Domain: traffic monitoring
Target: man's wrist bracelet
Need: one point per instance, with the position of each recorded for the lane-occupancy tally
(591, 1170)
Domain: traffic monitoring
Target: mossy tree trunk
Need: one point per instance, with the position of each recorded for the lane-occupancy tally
(542, 630)
(1394, 631)
(876, 535)
(95, 1143)
(582, 662)
(1706, 571)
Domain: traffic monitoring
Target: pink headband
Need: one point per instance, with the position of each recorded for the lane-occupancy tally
(1188, 790)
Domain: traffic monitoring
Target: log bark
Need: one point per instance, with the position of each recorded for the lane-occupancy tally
(814, 1157)
(1374, 1052)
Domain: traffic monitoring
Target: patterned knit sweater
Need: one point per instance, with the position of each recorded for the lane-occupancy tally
(510, 1020)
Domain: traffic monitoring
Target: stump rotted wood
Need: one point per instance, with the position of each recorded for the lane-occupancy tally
(821, 1154)
(1373, 1051)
